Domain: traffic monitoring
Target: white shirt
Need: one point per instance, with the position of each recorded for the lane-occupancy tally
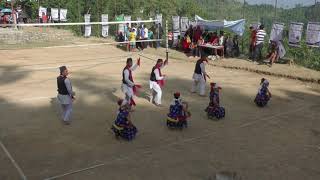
(127, 73)
(146, 33)
(221, 40)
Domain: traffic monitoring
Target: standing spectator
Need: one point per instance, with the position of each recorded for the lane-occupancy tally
(197, 34)
(132, 39)
(236, 49)
(253, 38)
(150, 37)
(146, 35)
(221, 38)
(159, 32)
(126, 32)
(259, 43)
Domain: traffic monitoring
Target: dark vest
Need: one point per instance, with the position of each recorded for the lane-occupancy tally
(130, 76)
(153, 75)
(62, 89)
(197, 70)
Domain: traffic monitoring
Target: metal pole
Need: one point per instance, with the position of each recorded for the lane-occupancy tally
(275, 9)
(167, 41)
(242, 38)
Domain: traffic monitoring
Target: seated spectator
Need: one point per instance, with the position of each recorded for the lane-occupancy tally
(206, 36)
(274, 52)
(214, 40)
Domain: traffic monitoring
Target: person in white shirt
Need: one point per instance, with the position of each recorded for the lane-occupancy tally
(261, 33)
(199, 76)
(128, 86)
(157, 82)
(146, 32)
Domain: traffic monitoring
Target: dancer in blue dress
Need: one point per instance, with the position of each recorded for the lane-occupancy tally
(214, 110)
(123, 126)
(264, 94)
(179, 113)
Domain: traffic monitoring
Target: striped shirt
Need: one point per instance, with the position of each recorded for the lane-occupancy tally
(260, 36)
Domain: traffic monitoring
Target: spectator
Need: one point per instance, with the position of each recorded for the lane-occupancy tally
(259, 44)
(228, 46)
(221, 38)
(274, 53)
(236, 49)
(214, 40)
(197, 34)
(253, 37)
(126, 32)
(159, 32)
(206, 36)
(132, 39)
(150, 37)
(146, 36)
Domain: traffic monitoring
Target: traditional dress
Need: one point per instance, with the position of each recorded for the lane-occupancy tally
(128, 87)
(178, 114)
(214, 110)
(199, 78)
(156, 83)
(122, 127)
(263, 95)
(65, 96)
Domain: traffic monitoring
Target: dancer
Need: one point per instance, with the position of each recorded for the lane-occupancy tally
(177, 117)
(157, 82)
(200, 76)
(123, 126)
(214, 110)
(65, 94)
(264, 94)
(129, 88)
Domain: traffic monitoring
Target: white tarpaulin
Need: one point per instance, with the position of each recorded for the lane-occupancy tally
(176, 23)
(159, 18)
(235, 26)
(184, 25)
(63, 14)
(105, 28)
(277, 32)
(282, 50)
(295, 33)
(313, 34)
(55, 14)
(128, 18)
(42, 10)
(87, 32)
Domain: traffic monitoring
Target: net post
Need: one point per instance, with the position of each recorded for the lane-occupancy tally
(167, 41)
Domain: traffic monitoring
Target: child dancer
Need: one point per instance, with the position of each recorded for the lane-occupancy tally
(123, 126)
(177, 117)
(214, 110)
(264, 94)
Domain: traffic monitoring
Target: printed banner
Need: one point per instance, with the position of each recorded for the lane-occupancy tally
(105, 28)
(63, 14)
(295, 33)
(313, 34)
(277, 32)
(159, 19)
(42, 10)
(176, 23)
(184, 24)
(87, 32)
(55, 14)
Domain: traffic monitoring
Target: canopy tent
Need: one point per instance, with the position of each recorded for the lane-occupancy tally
(235, 26)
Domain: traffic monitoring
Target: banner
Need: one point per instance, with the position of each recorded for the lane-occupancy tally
(184, 24)
(159, 19)
(313, 34)
(63, 14)
(295, 33)
(105, 28)
(121, 26)
(277, 32)
(282, 50)
(55, 14)
(87, 32)
(176, 23)
(42, 10)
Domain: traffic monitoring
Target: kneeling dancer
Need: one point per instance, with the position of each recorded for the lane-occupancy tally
(179, 113)
(214, 110)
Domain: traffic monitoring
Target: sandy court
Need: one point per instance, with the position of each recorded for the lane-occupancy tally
(281, 141)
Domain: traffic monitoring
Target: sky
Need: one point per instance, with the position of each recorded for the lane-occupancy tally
(283, 3)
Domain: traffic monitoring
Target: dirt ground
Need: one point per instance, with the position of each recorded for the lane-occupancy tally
(278, 142)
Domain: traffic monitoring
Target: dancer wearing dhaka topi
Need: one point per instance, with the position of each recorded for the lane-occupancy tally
(214, 110)
(157, 82)
(178, 113)
(129, 88)
(200, 77)
(123, 126)
(264, 94)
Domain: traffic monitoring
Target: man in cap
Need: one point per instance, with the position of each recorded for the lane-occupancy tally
(65, 94)
(128, 86)
(157, 82)
(199, 76)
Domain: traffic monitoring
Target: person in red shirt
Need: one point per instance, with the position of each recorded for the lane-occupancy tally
(253, 38)
(214, 39)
